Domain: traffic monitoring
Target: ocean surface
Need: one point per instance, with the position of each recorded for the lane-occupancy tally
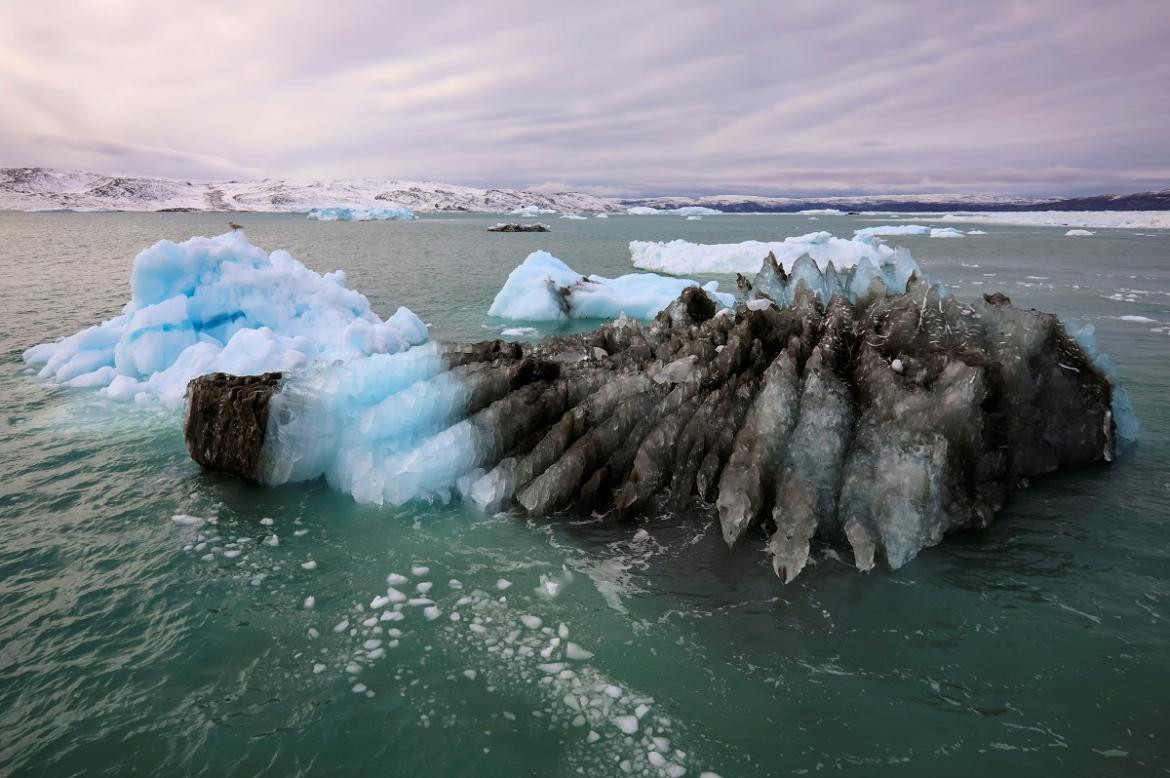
(134, 643)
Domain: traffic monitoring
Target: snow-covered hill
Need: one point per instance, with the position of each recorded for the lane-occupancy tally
(34, 189)
(38, 189)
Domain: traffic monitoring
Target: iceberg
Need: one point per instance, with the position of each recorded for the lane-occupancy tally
(680, 257)
(220, 304)
(530, 211)
(686, 210)
(880, 421)
(1078, 233)
(908, 229)
(342, 214)
(543, 288)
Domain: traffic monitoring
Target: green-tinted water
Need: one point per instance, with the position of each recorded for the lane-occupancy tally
(1039, 646)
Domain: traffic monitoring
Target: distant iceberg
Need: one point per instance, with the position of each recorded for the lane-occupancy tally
(361, 214)
(1078, 233)
(688, 210)
(220, 304)
(680, 257)
(543, 288)
(575, 216)
(908, 229)
(1131, 220)
(530, 211)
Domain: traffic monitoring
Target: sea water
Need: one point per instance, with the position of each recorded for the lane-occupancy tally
(156, 618)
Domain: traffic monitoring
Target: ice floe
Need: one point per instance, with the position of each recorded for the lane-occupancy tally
(907, 229)
(1091, 219)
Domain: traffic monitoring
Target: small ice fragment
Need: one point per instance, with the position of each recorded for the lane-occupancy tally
(420, 570)
(188, 521)
(661, 744)
(675, 770)
(371, 644)
(455, 584)
(377, 653)
(431, 612)
(574, 651)
(897, 366)
(353, 668)
(415, 602)
(478, 629)
(299, 532)
(455, 616)
(231, 553)
(503, 584)
(318, 668)
(424, 587)
(627, 724)
(379, 602)
(272, 540)
(613, 692)
(641, 710)
(551, 668)
(267, 522)
(656, 759)
(313, 633)
(358, 688)
(532, 622)
(470, 674)
(563, 631)
(592, 737)
(310, 565)
(341, 626)
(310, 602)
(394, 579)
(509, 715)
(393, 595)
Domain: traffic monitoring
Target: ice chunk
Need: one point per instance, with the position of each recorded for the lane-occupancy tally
(1078, 233)
(543, 288)
(341, 214)
(221, 305)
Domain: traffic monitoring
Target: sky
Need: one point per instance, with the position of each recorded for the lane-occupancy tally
(650, 97)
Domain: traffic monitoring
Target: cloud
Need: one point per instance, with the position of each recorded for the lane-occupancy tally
(802, 97)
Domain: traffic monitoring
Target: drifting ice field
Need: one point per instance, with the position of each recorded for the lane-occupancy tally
(157, 617)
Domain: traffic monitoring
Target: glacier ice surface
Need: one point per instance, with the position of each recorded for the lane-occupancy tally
(543, 288)
(220, 304)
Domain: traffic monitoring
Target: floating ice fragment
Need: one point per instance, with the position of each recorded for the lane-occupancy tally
(470, 674)
(318, 668)
(342, 214)
(341, 626)
(455, 584)
(574, 651)
(503, 584)
(627, 724)
(310, 565)
(358, 688)
(532, 622)
(189, 521)
(267, 522)
(394, 579)
(418, 570)
(424, 587)
(431, 612)
(310, 602)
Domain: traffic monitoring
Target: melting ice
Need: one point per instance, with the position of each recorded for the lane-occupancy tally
(361, 214)
(679, 257)
(220, 305)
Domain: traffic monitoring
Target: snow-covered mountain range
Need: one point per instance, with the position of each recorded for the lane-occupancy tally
(37, 189)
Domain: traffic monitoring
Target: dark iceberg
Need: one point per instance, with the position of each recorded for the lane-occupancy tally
(824, 406)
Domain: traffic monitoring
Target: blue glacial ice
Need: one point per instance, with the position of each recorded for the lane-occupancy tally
(341, 214)
(543, 288)
(220, 305)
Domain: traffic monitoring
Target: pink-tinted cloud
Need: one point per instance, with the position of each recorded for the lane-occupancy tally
(788, 98)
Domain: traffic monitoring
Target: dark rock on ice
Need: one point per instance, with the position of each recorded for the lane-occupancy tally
(517, 227)
(227, 418)
(823, 406)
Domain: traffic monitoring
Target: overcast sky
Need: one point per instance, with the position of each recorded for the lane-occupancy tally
(647, 97)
